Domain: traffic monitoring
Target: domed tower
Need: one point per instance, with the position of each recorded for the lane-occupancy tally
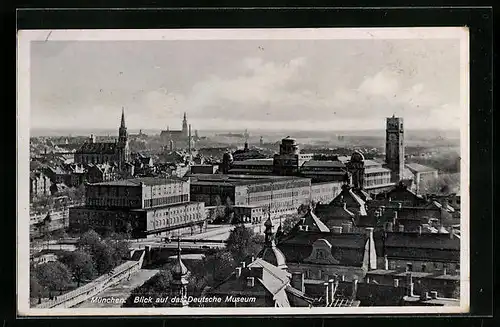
(123, 147)
(227, 161)
(270, 252)
(180, 275)
(356, 168)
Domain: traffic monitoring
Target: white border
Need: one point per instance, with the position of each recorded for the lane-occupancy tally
(23, 132)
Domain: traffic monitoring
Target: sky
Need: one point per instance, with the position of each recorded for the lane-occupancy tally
(237, 84)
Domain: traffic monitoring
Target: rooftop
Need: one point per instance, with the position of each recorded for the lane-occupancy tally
(219, 179)
(254, 162)
(418, 168)
(149, 181)
(324, 163)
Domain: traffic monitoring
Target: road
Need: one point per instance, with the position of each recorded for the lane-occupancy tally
(120, 291)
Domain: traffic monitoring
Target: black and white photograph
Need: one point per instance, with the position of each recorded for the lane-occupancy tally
(243, 171)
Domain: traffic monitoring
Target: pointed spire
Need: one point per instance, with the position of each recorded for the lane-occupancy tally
(122, 124)
(185, 118)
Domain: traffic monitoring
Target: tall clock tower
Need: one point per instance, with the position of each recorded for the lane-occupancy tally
(395, 148)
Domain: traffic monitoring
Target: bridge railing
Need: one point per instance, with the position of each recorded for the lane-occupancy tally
(96, 286)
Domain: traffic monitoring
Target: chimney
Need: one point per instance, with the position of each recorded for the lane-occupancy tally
(368, 279)
(250, 281)
(396, 282)
(342, 278)
(346, 227)
(344, 205)
(451, 232)
(401, 228)
(409, 284)
(238, 272)
(327, 294)
(388, 226)
(386, 262)
(445, 271)
(253, 258)
(369, 232)
(337, 229)
(424, 296)
(419, 230)
(243, 264)
(434, 294)
(395, 215)
(332, 289)
(354, 289)
(298, 281)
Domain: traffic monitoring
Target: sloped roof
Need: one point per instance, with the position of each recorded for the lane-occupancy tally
(254, 162)
(313, 222)
(424, 241)
(418, 168)
(324, 163)
(298, 246)
(98, 148)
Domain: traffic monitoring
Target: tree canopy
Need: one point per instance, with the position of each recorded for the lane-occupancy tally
(81, 265)
(54, 276)
(243, 242)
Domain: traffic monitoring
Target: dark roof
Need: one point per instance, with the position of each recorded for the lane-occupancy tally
(298, 246)
(425, 246)
(149, 181)
(98, 148)
(233, 180)
(324, 163)
(424, 241)
(254, 162)
(418, 168)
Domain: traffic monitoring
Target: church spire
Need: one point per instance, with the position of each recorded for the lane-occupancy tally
(122, 124)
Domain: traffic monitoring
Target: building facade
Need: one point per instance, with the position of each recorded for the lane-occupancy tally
(92, 152)
(394, 148)
(39, 184)
(141, 206)
(177, 139)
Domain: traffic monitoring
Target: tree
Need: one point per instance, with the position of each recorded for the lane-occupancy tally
(81, 265)
(218, 266)
(53, 276)
(157, 286)
(242, 242)
(120, 250)
(289, 222)
(88, 241)
(35, 287)
(104, 258)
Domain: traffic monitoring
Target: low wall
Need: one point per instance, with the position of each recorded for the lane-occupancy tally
(95, 287)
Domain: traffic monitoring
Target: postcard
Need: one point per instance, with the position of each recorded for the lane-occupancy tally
(243, 171)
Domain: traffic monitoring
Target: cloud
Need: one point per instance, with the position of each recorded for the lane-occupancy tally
(383, 83)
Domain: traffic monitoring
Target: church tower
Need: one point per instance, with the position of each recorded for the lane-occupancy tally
(178, 285)
(185, 127)
(123, 148)
(394, 148)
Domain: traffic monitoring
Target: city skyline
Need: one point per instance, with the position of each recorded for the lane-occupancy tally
(237, 84)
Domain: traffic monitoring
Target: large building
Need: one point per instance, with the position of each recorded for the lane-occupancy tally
(142, 206)
(374, 176)
(177, 139)
(92, 152)
(279, 195)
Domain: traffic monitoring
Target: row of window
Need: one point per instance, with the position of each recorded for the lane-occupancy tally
(378, 181)
(166, 200)
(159, 223)
(113, 202)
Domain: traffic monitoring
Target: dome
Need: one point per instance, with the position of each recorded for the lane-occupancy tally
(273, 255)
(357, 157)
(179, 269)
(227, 157)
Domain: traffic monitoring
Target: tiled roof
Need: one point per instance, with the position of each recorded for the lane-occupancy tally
(254, 162)
(371, 170)
(313, 222)
(324, 163)
(424, 241)
(98, 148)
(298, 246)
(149, 181)
(418, 168)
